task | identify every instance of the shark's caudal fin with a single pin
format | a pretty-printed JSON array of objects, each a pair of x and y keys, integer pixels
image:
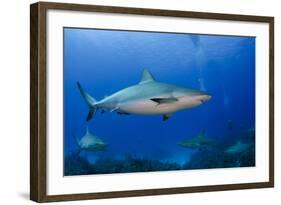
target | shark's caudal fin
[
  {"x": 146, "y": 77},
  {"x": 89, "y": 100}
]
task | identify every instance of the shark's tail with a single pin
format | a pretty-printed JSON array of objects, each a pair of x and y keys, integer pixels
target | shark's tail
[{"x": 90, "y": 102}]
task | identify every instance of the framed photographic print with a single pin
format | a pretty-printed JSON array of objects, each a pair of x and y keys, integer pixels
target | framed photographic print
[{"x": 134, "y": 102}]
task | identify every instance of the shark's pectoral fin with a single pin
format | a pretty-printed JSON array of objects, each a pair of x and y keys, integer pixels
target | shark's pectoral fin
[
  {"x": 166, "y": 116},
  {"x": 164, "y": 100}
]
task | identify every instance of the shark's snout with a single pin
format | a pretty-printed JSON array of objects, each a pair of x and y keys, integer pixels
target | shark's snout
[
  {"x": 203, "y": 96},
  {"x": 206, "y": 97}
]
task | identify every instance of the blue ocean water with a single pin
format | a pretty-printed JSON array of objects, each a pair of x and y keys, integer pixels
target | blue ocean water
[{"x": 106, "y": 61}]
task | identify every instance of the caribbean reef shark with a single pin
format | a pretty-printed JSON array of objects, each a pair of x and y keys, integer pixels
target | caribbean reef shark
[
  {"x": 198, "y": 142},
  {"x": 90, "y": 142},
  {"x": 148, "y": 97}
]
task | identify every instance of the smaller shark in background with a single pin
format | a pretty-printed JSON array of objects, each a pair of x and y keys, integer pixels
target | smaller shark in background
[
  {"x": 199, "y": 142},
  {"x": 238, "y": 147},
  {"x": 90, "y": 142}
]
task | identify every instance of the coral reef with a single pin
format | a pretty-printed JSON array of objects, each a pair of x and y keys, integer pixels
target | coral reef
[
  {"x": 77, "y": 165},
  {"x": 217, "y": 159}
]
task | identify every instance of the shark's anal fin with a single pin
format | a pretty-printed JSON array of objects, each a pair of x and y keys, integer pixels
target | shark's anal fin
[
  {"x": 164, "y": 100},
  {"x": 166, "y": 116}
]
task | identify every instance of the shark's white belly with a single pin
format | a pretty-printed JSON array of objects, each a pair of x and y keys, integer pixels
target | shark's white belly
[{"x": 148, "y": 107}]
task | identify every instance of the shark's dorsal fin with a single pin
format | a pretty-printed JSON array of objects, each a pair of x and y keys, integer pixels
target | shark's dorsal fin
[
  {"x": 146, "y": 77},
  {"x": 202, "y": 134}
]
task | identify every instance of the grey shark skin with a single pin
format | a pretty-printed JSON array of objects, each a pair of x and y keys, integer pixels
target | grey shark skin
[
  {"x": 91, "y": 143},
  {"x": 148, "y": 97},
  {"x": 198, "y": 142}
]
